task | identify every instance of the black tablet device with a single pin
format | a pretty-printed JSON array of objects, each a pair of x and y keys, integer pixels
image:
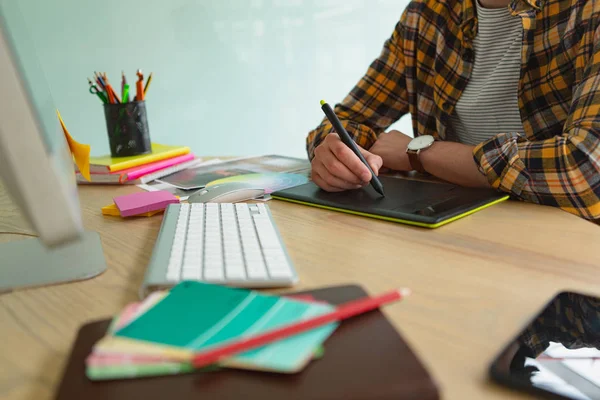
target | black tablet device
[
  {"x": 413, "y": 202},
  {"x": 557, "y": 354}
]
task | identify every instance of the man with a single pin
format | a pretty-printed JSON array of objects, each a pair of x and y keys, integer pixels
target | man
[{"x": 509, "y": 90}]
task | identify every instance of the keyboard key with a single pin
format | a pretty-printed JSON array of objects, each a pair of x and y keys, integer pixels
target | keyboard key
[
  {"x": 173, "y": 274},
  {"x": 213, "y": 264},
  {"x": 257, "y": 273},
  {"x": 235, "y": 273},
  {"x": 191, "y": 274},
  {"x": 253, "y": 256},
  {"x": 281, "y": 273},
  {"x": 213, "y": 275}
]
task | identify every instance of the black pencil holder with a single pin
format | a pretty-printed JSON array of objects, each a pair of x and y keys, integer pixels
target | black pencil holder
[{"x": 127, "y": 126}]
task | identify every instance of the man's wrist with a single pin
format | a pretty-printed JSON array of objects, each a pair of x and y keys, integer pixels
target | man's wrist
[{"x": 416, "y": 148}]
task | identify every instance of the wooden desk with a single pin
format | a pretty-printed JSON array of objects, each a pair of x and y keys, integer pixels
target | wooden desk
[{"x": 475, "y": 283}]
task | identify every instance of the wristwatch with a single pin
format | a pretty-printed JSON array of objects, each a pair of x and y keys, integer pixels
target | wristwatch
[{"x": 415, "y": 147}]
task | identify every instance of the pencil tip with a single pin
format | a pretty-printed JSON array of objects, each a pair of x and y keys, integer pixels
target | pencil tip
[{"x": 404, "y": 292}]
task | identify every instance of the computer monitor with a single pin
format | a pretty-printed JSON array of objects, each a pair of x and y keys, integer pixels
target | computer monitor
[{"x": 36, "y": 168}]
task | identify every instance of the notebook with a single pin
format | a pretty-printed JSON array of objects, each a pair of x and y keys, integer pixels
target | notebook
[
  {"x": 105, "y": 164},
  {"x": 413, "y": 202},
  {"x": 143, "y": 173},
  {"x": 355, "y": 366},
  {"x": 181, "y": 324}
]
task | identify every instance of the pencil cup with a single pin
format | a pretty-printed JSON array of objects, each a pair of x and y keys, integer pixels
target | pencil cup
[{"x": 127, "y": 126}]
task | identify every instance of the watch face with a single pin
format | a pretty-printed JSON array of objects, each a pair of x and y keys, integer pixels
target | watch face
[{"x": 420, "y": 142}]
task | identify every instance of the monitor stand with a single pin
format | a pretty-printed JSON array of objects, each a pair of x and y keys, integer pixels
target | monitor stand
[{"x": 28, "y": 263}]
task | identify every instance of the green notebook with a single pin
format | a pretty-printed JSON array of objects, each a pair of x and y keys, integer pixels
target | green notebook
[
  {"x": 196, "y": 316},
  {"x": 413, "y": 202}
]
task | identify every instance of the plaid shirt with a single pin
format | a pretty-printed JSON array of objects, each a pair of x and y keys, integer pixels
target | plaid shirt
[{"x": 426, "y": 64}]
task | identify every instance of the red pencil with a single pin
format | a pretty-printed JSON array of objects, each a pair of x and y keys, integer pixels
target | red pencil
[{"x": 344, "y": 311}]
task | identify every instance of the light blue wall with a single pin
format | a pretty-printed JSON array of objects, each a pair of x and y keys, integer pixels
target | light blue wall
[{"x": 231, "y": 77}]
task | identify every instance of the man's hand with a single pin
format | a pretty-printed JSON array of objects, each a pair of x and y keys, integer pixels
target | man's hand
[
  {"x": 391, "y": 147},
  {"x": 335, "y": 167}
]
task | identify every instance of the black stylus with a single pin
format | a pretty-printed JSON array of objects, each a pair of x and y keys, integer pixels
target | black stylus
[{"x": 347, "y": 140}]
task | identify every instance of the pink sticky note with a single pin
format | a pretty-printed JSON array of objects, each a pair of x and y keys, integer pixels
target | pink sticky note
[{"x": 143, "y": 202}]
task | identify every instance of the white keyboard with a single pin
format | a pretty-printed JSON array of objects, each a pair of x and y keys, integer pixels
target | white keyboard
[{"x": 235, "y": 244}]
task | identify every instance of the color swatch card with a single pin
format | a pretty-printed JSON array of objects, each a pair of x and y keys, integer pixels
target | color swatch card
[
  {"x": 108, "y": 366},
  {"x": 102, "y": 366},
  {"x": 160, "y": 335}
]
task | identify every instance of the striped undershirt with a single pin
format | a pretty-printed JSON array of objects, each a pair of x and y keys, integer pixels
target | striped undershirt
[{"x": 489, "y": 106}]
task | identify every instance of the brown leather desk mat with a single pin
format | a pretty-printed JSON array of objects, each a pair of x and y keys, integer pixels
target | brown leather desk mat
[{"x": 365, "y": 358}]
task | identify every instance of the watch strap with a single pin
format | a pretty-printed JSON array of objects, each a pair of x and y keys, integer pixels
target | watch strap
[{"x": 415, "y": 161}]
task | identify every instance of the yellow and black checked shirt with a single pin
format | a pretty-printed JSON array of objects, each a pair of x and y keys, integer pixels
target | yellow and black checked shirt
[{"x": 426, "y": 64}]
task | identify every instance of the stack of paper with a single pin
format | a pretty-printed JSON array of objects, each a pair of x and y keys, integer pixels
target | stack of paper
[
  {"x": 160, "y": 335},
  {"x": 164, "y": 160}
]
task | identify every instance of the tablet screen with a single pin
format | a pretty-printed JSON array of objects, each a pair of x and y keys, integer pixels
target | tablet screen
[{"x": 557, "y": 354}]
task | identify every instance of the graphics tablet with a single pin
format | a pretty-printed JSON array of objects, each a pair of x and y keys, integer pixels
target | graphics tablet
[{"x": 420, "y": 203}]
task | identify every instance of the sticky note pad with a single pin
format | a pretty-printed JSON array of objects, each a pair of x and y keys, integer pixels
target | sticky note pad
[
  {"x": 195, "y": 316},
  {"x": 112, "y": 210},
  {"x": 143, "y": 202}
]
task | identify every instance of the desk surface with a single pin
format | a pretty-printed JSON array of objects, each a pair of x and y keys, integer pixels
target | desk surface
[{"x": 475, "y": 282}]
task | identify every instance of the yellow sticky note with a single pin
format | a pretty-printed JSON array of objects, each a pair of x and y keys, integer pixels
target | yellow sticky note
[
  {"x": 81, "y": 152},
  {"x": 111, "y": 210}
]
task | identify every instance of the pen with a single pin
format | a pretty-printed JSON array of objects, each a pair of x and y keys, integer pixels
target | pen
[
  {"x": 139, "y": 86},
  {"x": 147, "y": 84},
  {"x": 347, "y": 140},
  {"x": 344, "y": 311}
]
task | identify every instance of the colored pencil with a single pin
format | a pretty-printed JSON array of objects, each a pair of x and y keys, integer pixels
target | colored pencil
[
  {"x": 100, "y": 81},
  {"x": 344, "y": 311},
  {"x": 123, "y": 83},
  {"x": 139, "y": 86},
  {"x": 110, "y": 93},
  {"x": 147, "y": 84},
  {"x": 109, "y": 90}
]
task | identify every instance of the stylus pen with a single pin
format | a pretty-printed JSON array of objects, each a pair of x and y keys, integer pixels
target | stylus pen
[
  {"x": 347, "y": 140},
  {"x": 341, "y": 312}
]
